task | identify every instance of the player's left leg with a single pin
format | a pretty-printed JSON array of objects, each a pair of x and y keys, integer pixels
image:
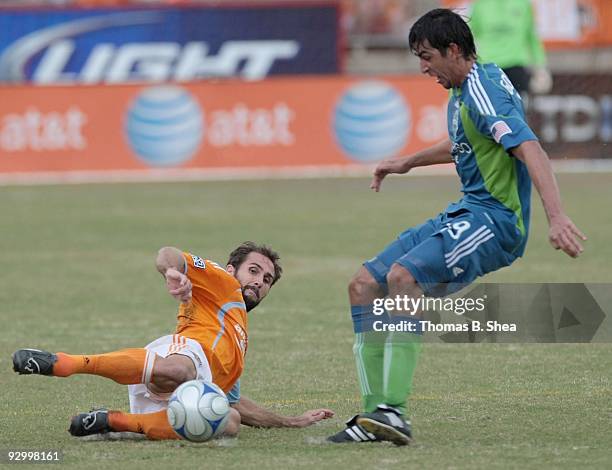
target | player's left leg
[
  {"x": 402, "y": 350},
  {"x": 178, "y": 359},
  {"x": 154, "y": 425},
  {"x": 149, "y": 398},
  {"x": 233, "y": 425},
  {"x": 467, "y": 245},
  {"x": 366, "y": 290}
]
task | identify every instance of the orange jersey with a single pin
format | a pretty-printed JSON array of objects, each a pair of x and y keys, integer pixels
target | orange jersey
[{"x": 216, "y": 318}]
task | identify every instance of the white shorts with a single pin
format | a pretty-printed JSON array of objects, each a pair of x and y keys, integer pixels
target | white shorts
[{"x": 143, "y": 400}]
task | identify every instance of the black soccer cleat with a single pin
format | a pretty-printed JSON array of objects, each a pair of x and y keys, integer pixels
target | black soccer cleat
[
  {"x": 352, "y": 433},
  {"x": 33, "y": 361},
  {"x": 86, "y": 424},
  {"x": 388, "y": 424}
]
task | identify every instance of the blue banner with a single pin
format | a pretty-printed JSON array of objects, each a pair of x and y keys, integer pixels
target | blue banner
[{"x": 121, "y": 45}]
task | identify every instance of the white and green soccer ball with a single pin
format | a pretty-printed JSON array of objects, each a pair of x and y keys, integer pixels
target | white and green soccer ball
[{"x": 198, "y": 410}]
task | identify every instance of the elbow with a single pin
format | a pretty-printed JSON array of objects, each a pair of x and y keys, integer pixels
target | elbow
[
  {"x": 164, "y": 251},
  {"x": 160, "y": 260},
  {"x": 169, "y": 257}
]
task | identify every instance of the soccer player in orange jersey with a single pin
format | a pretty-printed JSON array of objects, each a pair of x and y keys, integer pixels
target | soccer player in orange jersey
[{"x": 209, "y": 343}]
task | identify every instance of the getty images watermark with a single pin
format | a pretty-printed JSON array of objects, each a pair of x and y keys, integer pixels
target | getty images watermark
[
  {"x": 401, "y": 306},
  {"x": 512, "y": 313},
  {"x": 405, "y": 305}
]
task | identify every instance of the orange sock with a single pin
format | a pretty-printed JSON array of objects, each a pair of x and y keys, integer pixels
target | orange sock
[
  {"x": 154, "y": 425},
  {"x": 128, "y": 366}
]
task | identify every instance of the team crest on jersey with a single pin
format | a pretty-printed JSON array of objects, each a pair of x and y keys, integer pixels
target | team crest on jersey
[{"x": 198, "y": 262}]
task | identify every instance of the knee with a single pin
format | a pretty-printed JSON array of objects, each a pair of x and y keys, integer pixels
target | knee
[
  {"x": 172, "y": 371},
  {"x": 400, "y": 278},
  {"x": 182, "y": 373},
  {"x": 363, "y": 285},
  {"x": 233, "y": 424}
]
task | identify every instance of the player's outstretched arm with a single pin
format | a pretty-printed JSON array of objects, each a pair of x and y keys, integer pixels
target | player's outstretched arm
[
  {"x": 439, "y": 153},
  {"x": 254, "y": 415},
  {"x": 171, "y": 264},
  {"x": 562, "y": 234}
]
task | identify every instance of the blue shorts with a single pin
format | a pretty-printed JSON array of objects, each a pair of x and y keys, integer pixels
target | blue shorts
[{"x": 448, "y": 252}]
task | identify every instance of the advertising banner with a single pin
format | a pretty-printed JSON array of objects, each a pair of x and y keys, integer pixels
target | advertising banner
[
  {"x": 575, "y": 119},
  {"x": 270, "y": 124},
  {"x": 172, "y": 43}
]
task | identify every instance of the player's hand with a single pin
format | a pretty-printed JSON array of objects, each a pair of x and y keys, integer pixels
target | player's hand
[
  {"x": 179, "y": 286},
  {"x": 564, "y": 235},
  {"x": 310, "y": 417},
  {"x": 384, "y": 168},
  {"x": 541, "y": 81}
]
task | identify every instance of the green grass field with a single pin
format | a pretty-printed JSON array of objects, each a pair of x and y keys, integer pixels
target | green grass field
[{"x": 78, "y": 275}]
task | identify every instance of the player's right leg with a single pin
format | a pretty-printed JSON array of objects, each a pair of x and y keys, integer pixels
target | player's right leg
[
  {"x": 33, "y": 361},
  {"x": 363, "y": 290},
  {"x": 125, "y": 366},
  {"x": 368, "y": 347},
  {"x": 467, "y": 244},
  {"x": 162, "y": 371},
  {"x": 366, "y": 290}
]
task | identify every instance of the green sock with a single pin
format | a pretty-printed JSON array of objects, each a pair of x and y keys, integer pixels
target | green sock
[
  {"x": 401, "y": 353},
  {"x": 369, "y": 351}
]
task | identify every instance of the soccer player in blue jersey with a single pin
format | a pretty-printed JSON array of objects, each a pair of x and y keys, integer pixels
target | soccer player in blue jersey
[{"x": 497, "y": 156}]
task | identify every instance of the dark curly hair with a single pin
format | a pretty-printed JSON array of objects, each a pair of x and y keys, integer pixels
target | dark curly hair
[
  {"x": 442, "y": 27},
  {"x": 237, "y": 257}
]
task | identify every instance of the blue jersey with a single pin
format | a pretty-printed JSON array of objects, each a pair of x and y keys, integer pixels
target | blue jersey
[{"x": 486, "y": 120}]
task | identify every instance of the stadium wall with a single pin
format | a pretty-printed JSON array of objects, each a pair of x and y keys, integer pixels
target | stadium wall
[
  {"x": 280, "y": 123},
  {"x": 565, "y": 24},
  {"x": 56, "y": 127}
]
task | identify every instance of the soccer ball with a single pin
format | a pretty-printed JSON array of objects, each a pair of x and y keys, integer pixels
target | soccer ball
[{"x": 198, "y": 410}]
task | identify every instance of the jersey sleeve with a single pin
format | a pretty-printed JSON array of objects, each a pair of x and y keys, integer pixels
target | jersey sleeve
[
  {"x": 233, "y": 396},
  {"x": 208, "y": 278},
  {"x": 496, "y": 111}
]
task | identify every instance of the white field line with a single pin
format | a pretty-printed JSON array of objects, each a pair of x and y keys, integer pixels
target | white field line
[{"x": 255, "y": 173}]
